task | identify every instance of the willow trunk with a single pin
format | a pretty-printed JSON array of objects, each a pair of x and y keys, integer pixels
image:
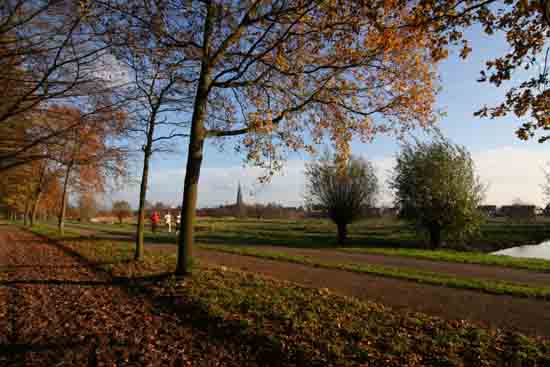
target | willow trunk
[{"x": 342, "y": 233}]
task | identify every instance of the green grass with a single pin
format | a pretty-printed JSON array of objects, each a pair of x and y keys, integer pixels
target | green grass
[
  {"x": 487, "y": 286},
  {"x": 315, "y": 233},
  {"x": 52, "y": 232},
  {"x": 308, "y": 327},
  {"x": 371, "y": 236},
  {"x": 460, "y": 257}
]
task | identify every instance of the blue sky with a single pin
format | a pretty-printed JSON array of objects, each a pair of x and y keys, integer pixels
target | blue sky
[{"x": 511, "y": 168}]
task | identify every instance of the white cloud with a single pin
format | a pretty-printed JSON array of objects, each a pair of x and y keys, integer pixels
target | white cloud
[{"x": 510, "y": 172}]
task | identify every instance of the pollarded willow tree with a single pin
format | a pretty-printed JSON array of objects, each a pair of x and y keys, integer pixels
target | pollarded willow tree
[
  {"x": 284, "y": 75},
  {"x": 437, "y": 188},
  {"x": 342, "y": 190}
]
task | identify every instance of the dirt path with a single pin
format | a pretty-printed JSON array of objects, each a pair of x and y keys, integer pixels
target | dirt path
[
  {"x": 526, "y": 315},
  {"x": 443, "y": 267},
  {"x": 55, "y": 310}
]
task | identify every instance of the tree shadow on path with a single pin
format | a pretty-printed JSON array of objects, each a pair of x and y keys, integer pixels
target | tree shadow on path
[{"x": 252, "y": 348}]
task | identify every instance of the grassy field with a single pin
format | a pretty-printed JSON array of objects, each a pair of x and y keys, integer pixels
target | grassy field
[
  {"x": 315, "y": 233},
  {"x": 308, "y": 327},
  {"x": 370, "y": 236},
  {"x": 217, "y": 229}
]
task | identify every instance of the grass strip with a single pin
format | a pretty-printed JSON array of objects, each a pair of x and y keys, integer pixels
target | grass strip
[
  {"x": 220, "y": 231},
  {"x": 464, "y": 257},
  {"x": 229, "y": 232},
  {"x": 487, "y": 286}
]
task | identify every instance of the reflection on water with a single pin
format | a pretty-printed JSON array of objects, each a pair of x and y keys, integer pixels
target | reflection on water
[{"x": 540, "y": 251}]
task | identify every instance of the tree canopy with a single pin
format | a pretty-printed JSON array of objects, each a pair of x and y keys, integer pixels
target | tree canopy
[
  {"x": 342, "y": 191},
  {"x": 437, "y": 188}
]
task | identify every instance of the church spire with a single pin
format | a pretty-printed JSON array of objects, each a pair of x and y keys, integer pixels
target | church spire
[{"x": 240, "y": 202}]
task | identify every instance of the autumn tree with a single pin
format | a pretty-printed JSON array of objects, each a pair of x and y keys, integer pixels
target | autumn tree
[
  {"x": 155, "y": 96},
  {"x": 50, "y": 199},
  {"x": 88, "y": 154},
  {"x": 524, "y": 67},
  {"x": 270, "y": 73},
  {"x": 437, "y": 188},
  {"x": 44, "y": 176},
  {"x": 122, "y": 209},
  {"x": 87, "y": 206},
  {"x": 16, "y": 187},
  {"x": 341, "y": 190},
  {"x": 49, "y": 54}
]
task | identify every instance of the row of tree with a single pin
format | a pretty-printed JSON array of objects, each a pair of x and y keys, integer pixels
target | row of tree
[
  {"x": 276, "y": 75},
  {"x": 435, "y": 185}
]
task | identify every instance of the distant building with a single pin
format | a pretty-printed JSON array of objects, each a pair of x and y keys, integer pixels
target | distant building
[
  {"x": 371, "y": 212},
  {"x": 389, "y": 211},
  {"x": 518, "y": 211},
  {"x": 488, "y": 210}
]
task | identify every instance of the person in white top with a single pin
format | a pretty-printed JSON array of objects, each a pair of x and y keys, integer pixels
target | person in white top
[{"x": 168, "y": 221}]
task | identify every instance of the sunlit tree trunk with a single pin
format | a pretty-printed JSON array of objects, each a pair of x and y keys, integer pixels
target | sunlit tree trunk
[
  {"x": 35, "y": 204},
  {"x": 194, "y": 155},
  {"x": 37, "y": 195},
  {"x": 27, "y": 211},
  {"x": 63, "y": 209},
  {"x": 141, "y": 211},
  {"x": 190, "y": 193},
  {"x": 147, "y": 151}
]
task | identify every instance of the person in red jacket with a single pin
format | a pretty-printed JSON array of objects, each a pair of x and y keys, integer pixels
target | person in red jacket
[{"x": 155, "y": 219}]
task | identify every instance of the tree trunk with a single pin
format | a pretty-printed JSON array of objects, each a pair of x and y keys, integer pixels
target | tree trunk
[
  {"x": 435, "y": 237},
  {"x": 26, "y": 214},
  {"x": 38, "y": 194},
  {"x": 194, "y": 156},
  {"x": 190, "y": 191},
  {"x": 141, "y": 211},
  {"x": 34, "y": 212},
  {"x": 342, "y": 233},
  {"x": 63, "y": 210}
]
